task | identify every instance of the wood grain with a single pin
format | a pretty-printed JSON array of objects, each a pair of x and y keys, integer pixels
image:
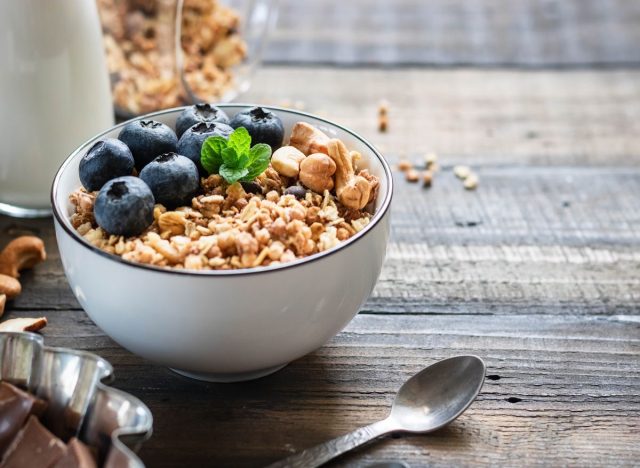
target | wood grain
[
  {"x": 536, "y": 240},
  {"x": 524, "y": 33},
  {"x": 474, "y": 116},
  {"x": 537, "y": 272},
  {"x": 559, "y": 388}
]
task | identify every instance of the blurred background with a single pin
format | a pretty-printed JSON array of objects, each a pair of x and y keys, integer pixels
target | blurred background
[
  {"x": 491, "y": 81},
  {"x": 500, "y": 78},
  {"x": 524, "y": 33}
]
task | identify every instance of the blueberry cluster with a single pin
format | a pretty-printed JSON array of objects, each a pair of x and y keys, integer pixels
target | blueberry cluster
[{"x": 168, "y": 164}]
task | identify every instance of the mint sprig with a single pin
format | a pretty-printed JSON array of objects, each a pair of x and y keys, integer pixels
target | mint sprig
[{"x": 234, "y": 158}]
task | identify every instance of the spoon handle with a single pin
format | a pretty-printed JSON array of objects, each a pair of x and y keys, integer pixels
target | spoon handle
[{"x": 322, "y": 453}]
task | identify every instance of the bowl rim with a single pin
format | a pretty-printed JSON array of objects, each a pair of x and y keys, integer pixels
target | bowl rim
[{"x": 375, "y": 219}]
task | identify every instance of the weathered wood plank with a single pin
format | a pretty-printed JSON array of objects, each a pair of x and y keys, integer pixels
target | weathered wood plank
[
  {"x": 479, "y": 117},
  {"x": 560, "y": 388},
  {"x": 537, "y": 272},
  {"x": 453, "y": 32},
  {"x": 529, "y": 240}
]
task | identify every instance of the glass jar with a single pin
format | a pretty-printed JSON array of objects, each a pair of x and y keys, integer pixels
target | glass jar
[
  {"x": 54, "y": 91},
  {"x": 167, "y": 53}
]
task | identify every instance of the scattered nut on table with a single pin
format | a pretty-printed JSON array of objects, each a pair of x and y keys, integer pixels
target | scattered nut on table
[
  {"x": 383, "y": 116},
  {"x": 412, "y": 175},
  {"x": 462, "y": 172},
  {"x": 23, "y": 324},
  {"x": 383, "y": 123},
  {"x": 9, "y": 286},
  {"x": 468, "y": 177},
  {"x": 20, "y": 254},
  {"x": 427, "y": 178},
  {"x": 404, "y": 165},
  {"x": 471, "y": 182},
  {"x": 431, "y": 162}
]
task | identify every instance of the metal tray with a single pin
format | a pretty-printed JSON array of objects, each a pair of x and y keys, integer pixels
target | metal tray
[{"x": 80, "y": 403}]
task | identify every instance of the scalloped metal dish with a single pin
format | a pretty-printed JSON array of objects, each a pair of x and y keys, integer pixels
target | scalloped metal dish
[{"x": 80, "y": 404}]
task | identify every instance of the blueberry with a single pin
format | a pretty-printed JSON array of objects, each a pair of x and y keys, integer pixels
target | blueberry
[
  {"x": 105, "y": 160},
  {"x": 296, "y": 191},
  {"x": 172, "y": 178},
  {"x": 190, "y": 143},
  {"x": 251, "y": 187},
  {"x": 148, "y": 139},
  {"x": 124, "y": 206},
  {"x": 199, "y": 113},
  {"x": 263, "y": 125}
]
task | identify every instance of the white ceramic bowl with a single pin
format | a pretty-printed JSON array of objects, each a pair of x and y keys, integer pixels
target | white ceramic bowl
[{"x": 225, "y": 325}]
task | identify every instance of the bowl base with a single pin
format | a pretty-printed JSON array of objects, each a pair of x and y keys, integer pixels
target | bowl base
[{"x": 229, "y": 378}]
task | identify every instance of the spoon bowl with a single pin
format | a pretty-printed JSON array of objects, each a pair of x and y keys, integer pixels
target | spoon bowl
[
  {"x": 438, "y": 394},
  {"x": 429, "y": 400}
]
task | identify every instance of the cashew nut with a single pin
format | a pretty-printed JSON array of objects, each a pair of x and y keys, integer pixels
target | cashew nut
[
  {"x": 9, "y": 286},
  {"x": 286, "y": 161},
  {"x": 374, "y": 182},
  {"x": 352, "y": 190},
  {"x": 316, "y": 172},
  {"x": 20, "y": 254},
  {"x": 308, "y": 139},
  {"x": 3, "y": 301},
  {"x": 23, "y": 324}
]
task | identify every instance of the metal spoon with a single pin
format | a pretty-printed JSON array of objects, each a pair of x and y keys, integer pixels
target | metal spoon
[{"x": 429, "y": 400}]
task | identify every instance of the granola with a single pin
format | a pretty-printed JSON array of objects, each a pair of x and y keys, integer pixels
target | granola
[
  {"x": 228, "y": 228},
  {"x": 278, "y": 217}
]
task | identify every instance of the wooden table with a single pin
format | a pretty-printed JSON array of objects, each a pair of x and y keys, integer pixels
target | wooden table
[{"x": 537, "y": 272}]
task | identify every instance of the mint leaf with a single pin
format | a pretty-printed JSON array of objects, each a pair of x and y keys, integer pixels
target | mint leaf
[
  {"x": 230, "y": 157},
  {"x": 243, "y": 160},
  {"x": 260, "y": 151},
  {"x": 240, "y": 140},
  {"x": 259, "y": 156},
  {"x": 211, "y": 153},
  {"x": 232, "y": 174},
  {"x": 234, "y": 158},
  {"x": 218, "y": 143}
]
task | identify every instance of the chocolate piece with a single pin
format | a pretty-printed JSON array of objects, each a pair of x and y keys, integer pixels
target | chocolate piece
[
  {"x": 15, "y": 407},
  {"x": 78, "y": 455},
  {"x": 33, "y": 446}
]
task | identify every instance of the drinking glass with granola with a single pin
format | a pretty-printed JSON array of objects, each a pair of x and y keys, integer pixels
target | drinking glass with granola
[{"x": 166, "y": 53}]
